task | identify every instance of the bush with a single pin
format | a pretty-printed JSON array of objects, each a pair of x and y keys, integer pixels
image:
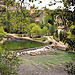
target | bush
[
  {"x": 56, "y": 39},
  {"x": 8, "y": 61},
  {"x": 70, "y": 68},
  {"x": 36, "y": 31},
  {"x": 49, "y": 42}
]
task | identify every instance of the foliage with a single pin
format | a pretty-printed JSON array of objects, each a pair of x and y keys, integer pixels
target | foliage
[
  {"x": 7, "y": 62},
  {"x": 71, "y": 32},
  {"x": 62, "y": 36},
  {"x": 49, "y": 19},
  {"x": 44, "y": 30},
  {"x": 70, "y": 68},
  {"x": 56, "y": 33},
  {"x": 36, "y": 31},
  {"x": 56, "y": 38},
  {"x": 8, "y": 2},
  {"x": 15, "y": 23},
  {"x": 71, "y": 38},
  {"x": 35, "y": 14},
  {"x": 52, "y": 30},
  {"x": 2, "y": 33},
  {"x": 69, "y": 19},
  {"x": 32, "y": 25}
]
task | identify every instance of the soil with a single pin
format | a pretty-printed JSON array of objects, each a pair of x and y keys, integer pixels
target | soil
[{"x": 41, "y": 70}]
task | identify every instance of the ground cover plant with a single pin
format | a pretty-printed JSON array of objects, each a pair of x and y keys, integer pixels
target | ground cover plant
[{"x": 20, "y": 44}]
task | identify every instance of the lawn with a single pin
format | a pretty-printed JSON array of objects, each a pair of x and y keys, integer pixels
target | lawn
[
  {"x": 49, "y": 59},
  {"x": 41, "y": 39},
  {"x": 20, "y": 44}
]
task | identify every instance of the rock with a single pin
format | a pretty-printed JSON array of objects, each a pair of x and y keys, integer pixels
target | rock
[
  {"x": 38, "y": 52},
  {"x": 33, "y": 53},
  {"x": 47, "y": 47},
  {"x": 23, "y": 53},
  {"x": 19, "y": 53}
]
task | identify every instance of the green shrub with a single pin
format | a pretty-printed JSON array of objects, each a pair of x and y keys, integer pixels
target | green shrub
[
  {"x": 70, "y": 68},
  {"x": 49, "y": 42},
  {"x": 56, "y": 39}
]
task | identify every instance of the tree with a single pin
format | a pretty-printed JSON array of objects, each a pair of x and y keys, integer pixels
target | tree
[
  {"x": 32, "y": 25},
  {"x": 2, "y": 33},
  {"x": 52, "y": 30},
  {"x": 44, "y": 30},
  {"x": 8, "y": 3},
  {"x": 49, "y": 19},
  {"x": 69, "y": 24},
  {"x": 36, "y": 31},
  {"x": 8, "y": 62},
  {"x": 71, "y": 38}
]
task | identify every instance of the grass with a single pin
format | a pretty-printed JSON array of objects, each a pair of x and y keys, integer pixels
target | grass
[
  {"x": 20, "y": 44},
  {"x": 41, "y": 39},
  {"x": 49, "y": 59}
]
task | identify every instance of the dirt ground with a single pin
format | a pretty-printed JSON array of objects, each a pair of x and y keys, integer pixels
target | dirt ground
[{"x": 41, "y": 70}]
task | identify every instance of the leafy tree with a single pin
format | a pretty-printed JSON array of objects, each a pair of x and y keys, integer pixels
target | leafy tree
[
  {"x": 44, "y": 30},
  {"x": 71, "y": 38},
  {"x": 69, "y": 24},
  {"x": 8, "y": 3},
  {"x": 49, "y": 19},
  {"x": 52, "y": 30},
  {"x": 32, "y": 25},
  {"x": 2, "y": 32},
  {"x": 8, "y": 62},
  {"x": 36, "y": 31}
]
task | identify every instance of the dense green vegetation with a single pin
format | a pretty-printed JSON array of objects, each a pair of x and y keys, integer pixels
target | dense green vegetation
[
  {"x": 7, "y": 62},
  {"x": 20, "y": 44},
  {"x": 2, "y": 33},
  {"x": 21, "y": 21}
]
